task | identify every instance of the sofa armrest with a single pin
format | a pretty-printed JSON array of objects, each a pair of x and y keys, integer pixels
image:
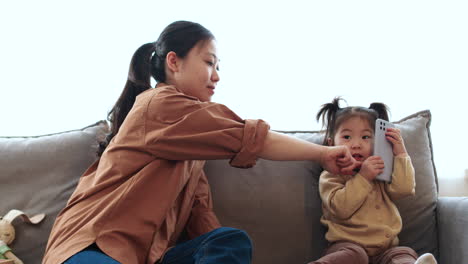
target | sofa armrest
[{"x": 452, "y": 213}]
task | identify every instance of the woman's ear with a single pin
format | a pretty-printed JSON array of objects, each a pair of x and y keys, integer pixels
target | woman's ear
[{"x": 172, "y": 61}]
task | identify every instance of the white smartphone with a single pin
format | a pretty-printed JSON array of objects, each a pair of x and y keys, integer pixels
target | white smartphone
[{"x": 383, "y": 148}]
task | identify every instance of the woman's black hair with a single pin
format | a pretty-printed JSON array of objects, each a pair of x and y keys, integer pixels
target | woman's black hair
[
  {"x": 149, "y": 61},
  {"x": 333, "y": 116}
]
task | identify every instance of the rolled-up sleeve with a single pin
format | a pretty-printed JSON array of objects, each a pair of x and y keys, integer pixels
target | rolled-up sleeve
[
  {"x": 193, "y": 130},
  {"x": 255, "y": 132}
]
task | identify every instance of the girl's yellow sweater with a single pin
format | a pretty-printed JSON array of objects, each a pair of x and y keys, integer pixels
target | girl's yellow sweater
[{"x": 363, "y": 212}]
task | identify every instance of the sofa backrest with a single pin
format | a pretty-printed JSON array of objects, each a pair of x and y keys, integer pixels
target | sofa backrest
[
  {"x": 278, "y": 204},
  {"x": 37, "y": 175}
]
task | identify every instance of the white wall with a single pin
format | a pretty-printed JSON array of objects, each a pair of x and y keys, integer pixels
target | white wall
[
  {"x": 454, "y": 186},
  {"x": 63, "y": 63}
]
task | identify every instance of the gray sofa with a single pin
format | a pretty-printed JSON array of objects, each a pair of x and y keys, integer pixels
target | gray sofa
[{"x": 277, "y": 203}]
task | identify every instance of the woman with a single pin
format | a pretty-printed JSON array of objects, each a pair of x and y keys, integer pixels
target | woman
[{"x": 148, "y": 187}]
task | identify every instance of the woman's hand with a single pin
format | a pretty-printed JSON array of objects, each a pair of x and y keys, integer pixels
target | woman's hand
[
  {"x": 338, "y": 160},
  {"x": 394, "y": 136},
  {"x": 371, "y": 167}
]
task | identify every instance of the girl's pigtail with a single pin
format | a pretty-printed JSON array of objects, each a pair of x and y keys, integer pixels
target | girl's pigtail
[
  {"x": 138, "y": 81},
  {"x": 328, "y": 113},
  {"x": 381, "y": 109}
]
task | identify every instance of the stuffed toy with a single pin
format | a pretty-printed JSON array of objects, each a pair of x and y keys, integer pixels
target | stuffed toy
[{"x": 7, "y": 233}]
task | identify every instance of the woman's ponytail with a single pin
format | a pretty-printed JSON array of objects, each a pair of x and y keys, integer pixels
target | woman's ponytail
[
  {"x": 381, "y": 109},
  {"x": 138, "y": 81}
]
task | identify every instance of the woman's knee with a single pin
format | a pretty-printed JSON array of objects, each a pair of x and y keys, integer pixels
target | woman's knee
[
  {"x": 226, "y": 245},
  {"x": 232, "y": 237},
  {"x": 233, "y": 234}
]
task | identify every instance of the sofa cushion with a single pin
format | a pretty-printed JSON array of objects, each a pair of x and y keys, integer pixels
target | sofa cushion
[
  {"x": 419, "y": 212},
  {"x": 38, "y": 175},
  {"x": 278, "y": 204}
]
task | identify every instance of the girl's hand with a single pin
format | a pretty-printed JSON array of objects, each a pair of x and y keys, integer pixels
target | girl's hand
[
  {"x": 394, "y": 136},
  {"x": 338, "y": 160},
  {"x": 371, "y": 167}
]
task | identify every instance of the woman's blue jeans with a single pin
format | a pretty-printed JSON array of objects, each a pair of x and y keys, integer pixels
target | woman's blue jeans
[{"x": 223, "y": 245}]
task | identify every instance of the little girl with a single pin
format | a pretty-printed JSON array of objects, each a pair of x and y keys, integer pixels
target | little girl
[{"x": 362, "y": 220}]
